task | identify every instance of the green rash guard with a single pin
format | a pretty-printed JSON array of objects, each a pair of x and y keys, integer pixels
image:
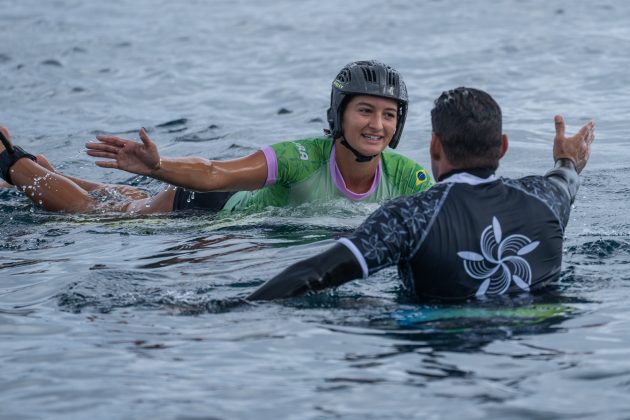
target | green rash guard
[{"x": 305, "y": 171}]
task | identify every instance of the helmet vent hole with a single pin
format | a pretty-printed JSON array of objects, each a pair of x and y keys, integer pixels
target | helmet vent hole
[
  {"x": 392, "y": 79},
  {"x": 345, "y": 76},
  {"x": 369, "y": 74}
]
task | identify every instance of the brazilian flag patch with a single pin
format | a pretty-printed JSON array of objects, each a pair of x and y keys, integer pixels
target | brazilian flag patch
[{"x": 421, "y": 176}]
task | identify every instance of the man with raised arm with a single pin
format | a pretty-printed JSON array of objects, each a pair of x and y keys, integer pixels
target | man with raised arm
[{"x": 473, "y": 234}]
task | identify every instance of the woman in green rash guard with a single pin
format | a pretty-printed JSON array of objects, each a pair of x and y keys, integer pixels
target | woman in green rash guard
[{"x": 367, "y": 113}]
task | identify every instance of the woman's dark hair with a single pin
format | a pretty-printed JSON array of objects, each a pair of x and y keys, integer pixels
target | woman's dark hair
[{"x": 469, "y": 124}]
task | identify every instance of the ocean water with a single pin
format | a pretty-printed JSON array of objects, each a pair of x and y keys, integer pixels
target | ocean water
[{"x": 103, "y": 316}]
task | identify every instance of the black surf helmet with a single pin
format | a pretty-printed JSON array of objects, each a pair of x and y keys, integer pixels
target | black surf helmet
[{"x": 371, "y": 78}]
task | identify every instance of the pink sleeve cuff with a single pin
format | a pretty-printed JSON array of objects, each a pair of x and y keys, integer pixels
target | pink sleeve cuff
[{"x": 272, "y": 165}]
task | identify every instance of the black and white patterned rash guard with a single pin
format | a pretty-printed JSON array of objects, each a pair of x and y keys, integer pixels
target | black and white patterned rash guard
[{"x": 467, "y": 236}]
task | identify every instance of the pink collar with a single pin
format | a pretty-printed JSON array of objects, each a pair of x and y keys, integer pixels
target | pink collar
[{"x": 341, "y": 184}]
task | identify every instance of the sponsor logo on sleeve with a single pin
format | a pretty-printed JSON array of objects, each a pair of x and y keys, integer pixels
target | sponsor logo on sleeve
[{"x": 302, "y": 151}]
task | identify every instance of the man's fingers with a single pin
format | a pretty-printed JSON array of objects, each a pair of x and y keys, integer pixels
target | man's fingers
[
  {"x": 559, "y": 121},
  {"x": 586, "y": 133},
  {"x": 591, "y": 132}
]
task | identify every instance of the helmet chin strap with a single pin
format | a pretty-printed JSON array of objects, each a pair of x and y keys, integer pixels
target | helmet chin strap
[{"x": 360, "y": 157}]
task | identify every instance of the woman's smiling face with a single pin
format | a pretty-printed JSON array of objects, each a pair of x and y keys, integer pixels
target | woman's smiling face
[{"x": 369, "y": 123}]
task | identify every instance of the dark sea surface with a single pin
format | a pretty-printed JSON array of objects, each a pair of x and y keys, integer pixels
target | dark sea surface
[{"x": 103, "y": 316}]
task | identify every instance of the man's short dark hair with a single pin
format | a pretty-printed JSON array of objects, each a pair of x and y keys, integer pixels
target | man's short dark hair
[{"x": 469, "y": 124}]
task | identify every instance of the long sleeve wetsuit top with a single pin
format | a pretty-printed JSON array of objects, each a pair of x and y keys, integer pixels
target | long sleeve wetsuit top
[{"x": 472, "y": 234}]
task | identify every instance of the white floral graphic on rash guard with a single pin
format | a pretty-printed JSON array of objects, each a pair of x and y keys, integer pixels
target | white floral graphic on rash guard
[{"x": 500, "y": 261}]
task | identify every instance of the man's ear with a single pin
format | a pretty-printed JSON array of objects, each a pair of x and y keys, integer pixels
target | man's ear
[
  {"x": 435, "y": 149},
  {"x": 504, "y": 145}
]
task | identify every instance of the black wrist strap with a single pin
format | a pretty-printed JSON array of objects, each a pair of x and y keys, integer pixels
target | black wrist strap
[{"x": 9, "y": 156}]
